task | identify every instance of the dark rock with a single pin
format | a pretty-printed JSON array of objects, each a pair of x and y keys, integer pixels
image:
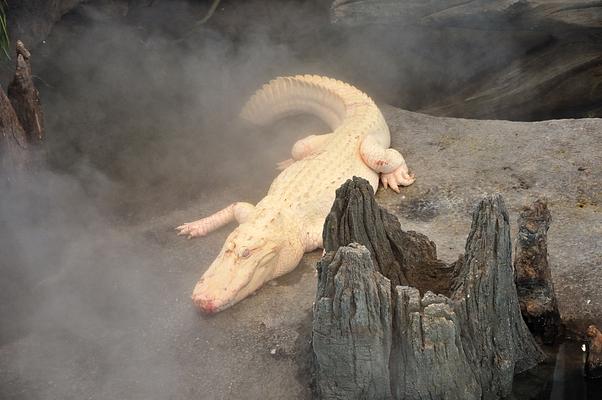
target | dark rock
[
  {"x": 533, "y": 277},
  {"x": 562, "y": 75},
  {"x": 32, "y": 20},
  {"x": 545, "y": 64},
  {"x": 481, "y": 14}
]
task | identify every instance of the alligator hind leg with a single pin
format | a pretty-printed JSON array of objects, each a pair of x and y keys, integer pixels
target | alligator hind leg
[
  {"x": 238, "y": 211},
  {"x": 388, "y": 162},
  {"x": 305, "y": 147}
]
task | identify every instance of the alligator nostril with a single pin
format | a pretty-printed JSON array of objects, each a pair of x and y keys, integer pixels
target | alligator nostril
[
  {"x": 246, "y": 253},
  {"x": 207, "y": 306}
]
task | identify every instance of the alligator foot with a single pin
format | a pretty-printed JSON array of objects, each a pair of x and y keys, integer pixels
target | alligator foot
[
  {"x": 195, "y": 229},
  {"x": 401, "y": 176}
]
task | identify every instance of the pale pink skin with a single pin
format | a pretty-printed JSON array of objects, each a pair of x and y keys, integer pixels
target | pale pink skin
[{"x": 274, "y": 234}]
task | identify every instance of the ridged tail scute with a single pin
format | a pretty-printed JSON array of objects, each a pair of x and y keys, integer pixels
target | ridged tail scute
[{"x": 332, "y": 101}]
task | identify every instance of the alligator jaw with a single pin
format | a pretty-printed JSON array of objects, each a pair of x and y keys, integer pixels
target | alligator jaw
[{"x": 220, "y": 288}]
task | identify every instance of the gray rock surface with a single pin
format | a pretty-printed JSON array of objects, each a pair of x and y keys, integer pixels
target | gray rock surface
[
  {"x": 230, "y": 355},
  {"x": 457, "y": 161}
]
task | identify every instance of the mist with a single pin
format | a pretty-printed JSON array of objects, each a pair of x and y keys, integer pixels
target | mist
[{"x": 143, "y": 135}]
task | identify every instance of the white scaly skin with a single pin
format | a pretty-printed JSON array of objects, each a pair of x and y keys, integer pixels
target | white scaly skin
[{"x": 273, "y": 236}]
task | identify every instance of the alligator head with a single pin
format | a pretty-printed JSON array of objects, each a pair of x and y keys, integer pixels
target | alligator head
[{"x": 255, "y": 253}]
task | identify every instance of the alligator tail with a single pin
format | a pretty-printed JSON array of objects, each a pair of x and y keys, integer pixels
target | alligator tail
[{"x": 332, "y": 101}]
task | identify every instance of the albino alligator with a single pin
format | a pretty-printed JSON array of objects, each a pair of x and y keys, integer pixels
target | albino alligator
[{"x": 273, "y": 235}]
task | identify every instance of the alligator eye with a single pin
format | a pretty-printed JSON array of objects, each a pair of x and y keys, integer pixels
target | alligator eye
[{"x": 246, "y": 253}]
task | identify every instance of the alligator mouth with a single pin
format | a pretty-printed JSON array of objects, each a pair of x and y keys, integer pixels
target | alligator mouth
[{"x": 208, "y": 305}]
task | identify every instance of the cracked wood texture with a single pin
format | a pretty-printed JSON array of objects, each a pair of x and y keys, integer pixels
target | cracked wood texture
[
  {"x": 351, "y": 334},
  {"x": 13, "y": 144},
  {"x": 21, "y": 118},
  {"x": 376, "y": 338},
  {"x": 25, "y": 98},
  {"x": 533, "y": 276}
]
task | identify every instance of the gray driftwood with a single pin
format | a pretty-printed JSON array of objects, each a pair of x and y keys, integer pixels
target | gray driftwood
[
  {"x": 533, "y": 277},
  {"x": 404, "y": 341}
]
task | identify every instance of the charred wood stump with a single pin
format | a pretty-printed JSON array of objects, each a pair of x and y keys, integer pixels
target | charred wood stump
[
  {"x": 447, "y": 331},
  {"x": 533, "y": 276},
  {"x": 593, "y": 360},
  {"x": 401, "y": 256},
  {"x": 25, "y": 98},
  {"x": 14, "y": 153},
  {"x": 21, "y": 118},
  {"x": 352, "y": 327},
  {"x": 428, "y": 359}
]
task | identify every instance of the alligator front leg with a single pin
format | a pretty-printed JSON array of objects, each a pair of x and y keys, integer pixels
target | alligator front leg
[
  {"x": 239, "y": 211},
  {"x": 305, "y": 147},
  {"x": 388, "y": 162}
]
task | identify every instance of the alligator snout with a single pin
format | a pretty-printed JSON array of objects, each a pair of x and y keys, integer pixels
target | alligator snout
[{"x": 207, "y": 306}]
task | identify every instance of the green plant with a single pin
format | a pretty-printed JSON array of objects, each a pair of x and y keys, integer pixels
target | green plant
[{"x": 4, "y": 39}]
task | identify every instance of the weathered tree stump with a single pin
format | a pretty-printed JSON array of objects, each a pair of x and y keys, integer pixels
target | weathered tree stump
[
  {"x": 352, "y": 327},
  {"x": 14, "y": 153},
  {"x": 466, "y": 342},
  {"x": 533, "y": 276},
  {"x": 593, "y": 360},
  {"x": 428, "y": 358},
  {"x": 25, "y": 98},
  {"x": 401, "y": 256},
  {"x": 21, "y": 118}
]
